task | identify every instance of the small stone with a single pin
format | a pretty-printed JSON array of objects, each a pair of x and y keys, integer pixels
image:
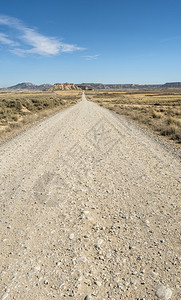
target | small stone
[
  {"x": 61, "y": 283},
  {"x": 164, "y": 292},
  {"x": 147, "y": 222},
  {"x": 126, "y": 283},
  {"x": 4, "y": 296},
  {"x": 71, "y": 236},
  {"x": 154, "y": 274},
  {"x": 37, "y": 268},
  {"x": 101, "y": 257},
  {"x": 88, "y": 297},
  {"x": 100, "y": 241},
  {"x": 134, "y": 273},
  {"x": 81, "y": 259},
  {"x": 79, "y": 277},
  {"x": 98, "y": 283},
  {"x": 133, "y": 281},
  {"x": 120, "y": 286}
]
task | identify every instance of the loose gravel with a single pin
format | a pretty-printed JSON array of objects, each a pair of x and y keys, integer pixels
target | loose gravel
[{"x": 89, "y": 210}]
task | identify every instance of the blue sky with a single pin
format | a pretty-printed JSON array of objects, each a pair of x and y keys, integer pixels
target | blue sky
[{"x": 90, "y": 41}]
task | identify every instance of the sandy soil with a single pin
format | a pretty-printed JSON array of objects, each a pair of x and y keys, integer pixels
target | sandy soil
[{"x": 89, "y": 210}]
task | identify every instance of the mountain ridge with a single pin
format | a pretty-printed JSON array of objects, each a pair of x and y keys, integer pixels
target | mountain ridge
[
  {"x": 129, "y": 86},
  {"x": 91, "y": 86},
  {"x": 28, "y": 86}
]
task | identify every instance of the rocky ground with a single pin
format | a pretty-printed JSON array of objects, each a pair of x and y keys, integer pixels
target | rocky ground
[{"x": 89, "y": 210}]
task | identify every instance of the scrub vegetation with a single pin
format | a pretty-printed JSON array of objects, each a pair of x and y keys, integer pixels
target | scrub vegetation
[
  {"x": 21, "y": 109},
  {"x": 158, "y": 110}
]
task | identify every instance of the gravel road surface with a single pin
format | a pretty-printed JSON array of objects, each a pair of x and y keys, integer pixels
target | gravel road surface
[{"x": 89, "y": 210}]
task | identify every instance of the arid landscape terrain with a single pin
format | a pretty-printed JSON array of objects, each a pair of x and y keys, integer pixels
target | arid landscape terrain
[
  {"x": 158, "y": 110},
  {"x": 90, "y": 150},
  {"x": 89, "y": 199},
  {"x": 20, "y": 109}
]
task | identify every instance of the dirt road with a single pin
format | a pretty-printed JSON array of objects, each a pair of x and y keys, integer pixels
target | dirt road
[{"x": 89, "y": 210}]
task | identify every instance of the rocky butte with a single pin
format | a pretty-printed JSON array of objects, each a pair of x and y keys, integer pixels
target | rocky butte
[{"x": 64, "y": 87}]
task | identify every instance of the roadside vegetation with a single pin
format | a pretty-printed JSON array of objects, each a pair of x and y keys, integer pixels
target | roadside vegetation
[
  {"x": 21, "y": 109},
  {"x": 158, "y": 110}
]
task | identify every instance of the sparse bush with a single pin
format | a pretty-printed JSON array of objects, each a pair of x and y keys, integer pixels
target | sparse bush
[
  {"x": 173, "y": 120},
  {"x": 156, "y": 114},
  {"x": 18, "y": 105},
  {"x": 15, "y": 125},
  {"x": 169, "y": 130},
  {"x": 14, "y": 117}
]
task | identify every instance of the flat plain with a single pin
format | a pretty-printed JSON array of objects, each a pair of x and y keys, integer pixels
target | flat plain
[{"x": 158, "y": 110}]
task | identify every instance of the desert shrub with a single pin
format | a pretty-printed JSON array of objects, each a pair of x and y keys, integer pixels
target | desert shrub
[
  {"x": 14, "y": 118},
  {"x": 178, "y": 134},
  {"x": 11, "y": 103},
  {"x": 169, "y": 129},
  {"x": 172, "y": 120},
  {"x": 28, "y": 104},
  {"x": 156, "y": 114},
  {"x": 14, "y": 125},
  {"x": 18, "y": 105}
]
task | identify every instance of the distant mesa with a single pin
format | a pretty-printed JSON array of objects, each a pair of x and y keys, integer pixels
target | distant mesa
[
  {"x": 64, "y": 87},
  {"x": 172, "y": 85}
]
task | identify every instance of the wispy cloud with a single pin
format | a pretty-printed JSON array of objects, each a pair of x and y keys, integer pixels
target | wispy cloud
[
  {"x": 91, "y": 57},
  {"x": 6, "y": 41},
  {"x": 30, "y": 41}
]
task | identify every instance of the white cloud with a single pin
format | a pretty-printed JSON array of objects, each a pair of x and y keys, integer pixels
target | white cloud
[
  {"x": 91, "y": 57},
  {"x": 32, "y": 42},
  {"x": 5, "y": 40}
]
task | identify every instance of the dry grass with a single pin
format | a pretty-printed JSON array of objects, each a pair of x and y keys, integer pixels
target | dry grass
[
  {"x": 21, "y": 109},
  {"x": 158, "y": 110}
]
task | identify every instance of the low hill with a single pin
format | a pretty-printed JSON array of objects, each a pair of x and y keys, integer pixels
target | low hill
[{"x": 29, "y": 86}]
